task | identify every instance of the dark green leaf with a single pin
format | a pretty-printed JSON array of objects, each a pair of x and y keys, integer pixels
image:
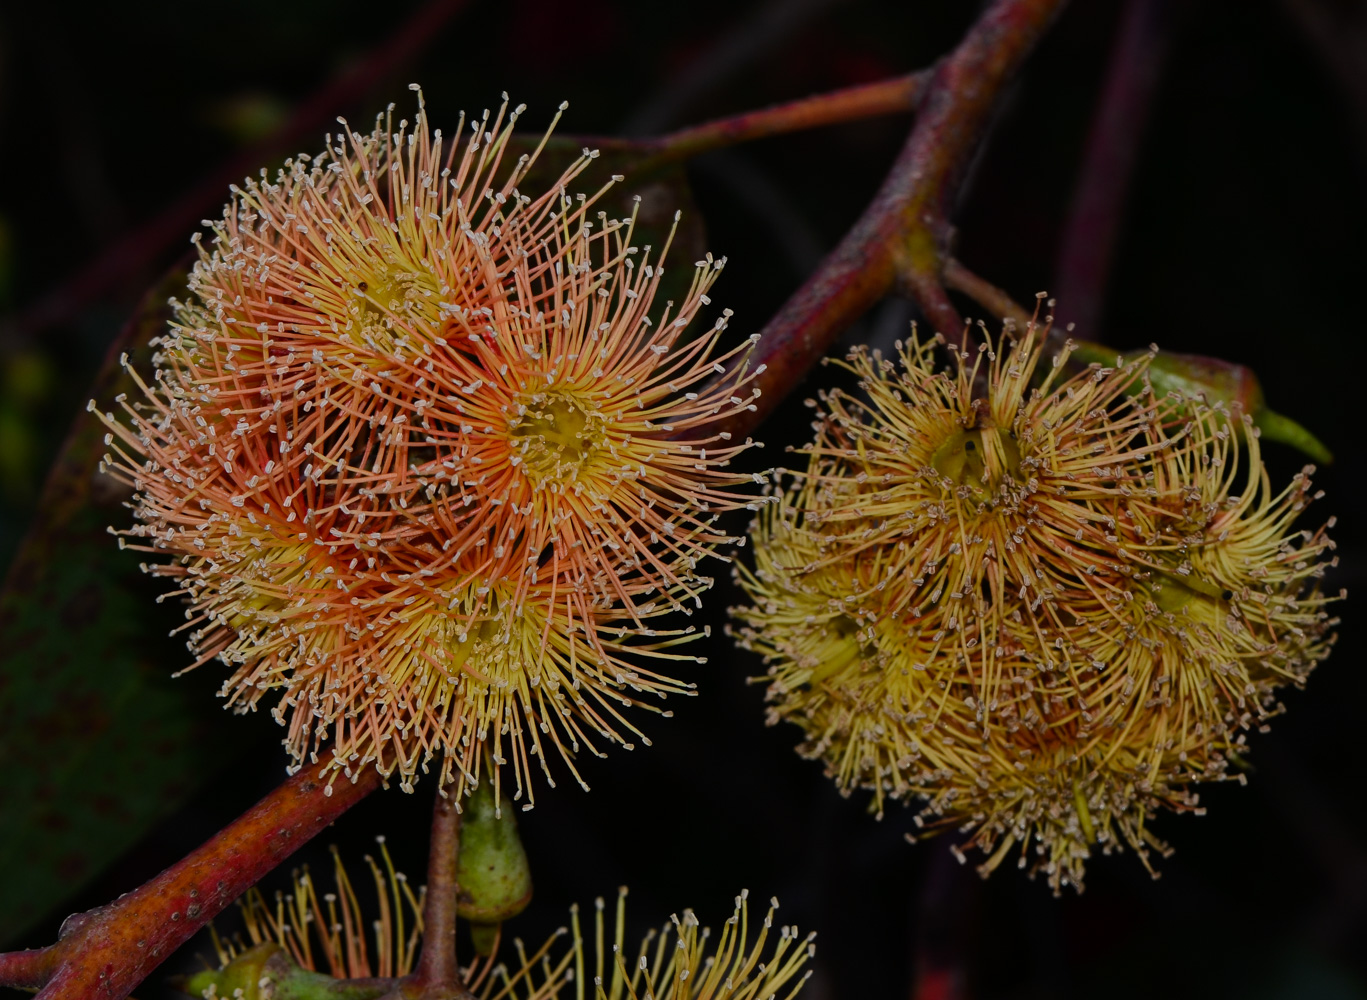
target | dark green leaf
[{"x": 98, "y": 742}]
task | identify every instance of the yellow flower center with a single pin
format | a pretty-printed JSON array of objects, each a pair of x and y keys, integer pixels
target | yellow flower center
[
  {"x": 395, "y": 290},
  {"x": 478, "y": 639},
  {"x": 837, "y": 648},
  {"x": 978, "y": 460},
  {"x": 1173, "y": 593},
  {"x": 557, "y": 437}
]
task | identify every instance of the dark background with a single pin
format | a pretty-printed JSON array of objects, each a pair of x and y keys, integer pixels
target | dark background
[{"x": 1243, "y": 238}]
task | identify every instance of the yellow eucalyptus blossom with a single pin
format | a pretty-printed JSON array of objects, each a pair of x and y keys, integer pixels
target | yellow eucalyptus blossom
[
  {"x": 683, "y": 961},
  {"x": 1045, "y": 604}
]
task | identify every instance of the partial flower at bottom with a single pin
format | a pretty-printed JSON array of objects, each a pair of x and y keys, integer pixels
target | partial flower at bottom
[
  {"x": 332, "y": 932},
  {"x": 312, "y": 946},
  {"x": 1047, "y": 612}
]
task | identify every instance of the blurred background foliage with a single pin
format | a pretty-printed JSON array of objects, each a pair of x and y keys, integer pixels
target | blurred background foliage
[{"x": 1243, "y": 238}]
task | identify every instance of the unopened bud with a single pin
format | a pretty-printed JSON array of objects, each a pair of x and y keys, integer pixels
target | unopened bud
[{"x": 1218, "y": 381}]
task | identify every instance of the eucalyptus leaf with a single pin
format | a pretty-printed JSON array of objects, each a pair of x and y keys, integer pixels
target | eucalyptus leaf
[{"x": 98, "y": 742}]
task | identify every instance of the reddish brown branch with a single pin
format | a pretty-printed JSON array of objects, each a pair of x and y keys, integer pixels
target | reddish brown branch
[
  {"x": 438, "y": 973},
  {"x": 944, "y": 927},
  {"x": 108, "y": 951},
  {"x": 885, "y": 97},
  {"x": 1098, "y": 208},
  {"x": 989, "y": 296},
  {"x": 27, "y": 969},
  {"x": 141, "y": 248},
  {"x": 903, "y": 235}
]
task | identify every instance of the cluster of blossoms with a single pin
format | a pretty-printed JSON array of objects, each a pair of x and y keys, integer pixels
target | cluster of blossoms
[
  {"x": 425, "y": 464},
  {"x": 1045, "y": 604}
]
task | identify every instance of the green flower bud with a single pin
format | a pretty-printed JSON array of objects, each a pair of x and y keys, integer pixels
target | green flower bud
[
  {"x": 1219, "y": 382},
  {"x": 267, "y": 971},
  {"x": 494, "y": 876}
]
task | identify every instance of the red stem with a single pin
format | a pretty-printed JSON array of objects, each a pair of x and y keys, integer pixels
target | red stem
[
  {"x": 989, "y": 296},
  {"x": 903, "y": 235},
  {"x": 20, "y": 969},
  {"x": 108, "y": 951},
  {"x": 885, "y": 97},
  {"x": 140, "y": 248},
  {"x": 438, "y": 973},
  {"x": 1098, "y": 208}
]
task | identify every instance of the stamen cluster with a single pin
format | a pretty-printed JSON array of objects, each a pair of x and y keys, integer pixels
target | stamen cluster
[
  {"x": 327, "y": 932},
  {"x": 695, "y": 967},
  {"x": 1045, "y": 604},
  {"x": 425, "y": 463}
]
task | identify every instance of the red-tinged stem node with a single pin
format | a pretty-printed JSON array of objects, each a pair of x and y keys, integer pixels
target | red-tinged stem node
[{"x": 903, "y": 236}]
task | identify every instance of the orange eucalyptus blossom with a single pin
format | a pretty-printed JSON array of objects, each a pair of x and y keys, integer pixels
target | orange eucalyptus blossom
[
  {"x": 423, "y": 460},
  {"x": 1047, "y": 610}
]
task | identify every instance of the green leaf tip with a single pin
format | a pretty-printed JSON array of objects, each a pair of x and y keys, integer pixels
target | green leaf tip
[
  {"x": 1217, "y": 381},
  {"x": 1275, "y": 427}
]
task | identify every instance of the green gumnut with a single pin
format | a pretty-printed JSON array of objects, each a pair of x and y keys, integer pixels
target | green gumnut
[
  {"x": 492, "y": 871},
  {"x": 484, "y": 937},
  {"x": 1219, "y": 382},
  {"x": 244, "y": 973},
  {"x": 267, "y": 971}
]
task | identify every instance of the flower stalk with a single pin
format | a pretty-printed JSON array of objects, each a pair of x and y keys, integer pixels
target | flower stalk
[
  {"x": 1189, "y": 374},
  {"x": 870, "y": 100},
  {"x": 438, "y": 973}
]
